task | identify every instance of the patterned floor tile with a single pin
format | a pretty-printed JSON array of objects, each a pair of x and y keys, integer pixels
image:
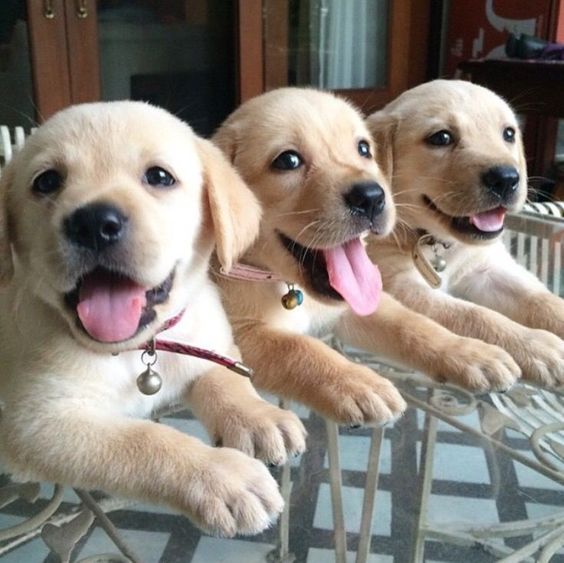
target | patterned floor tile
[
  {"x": 352, "y": 509},
  {"x": 212, "y": 550},
  {"x": 316, "y": 555}
]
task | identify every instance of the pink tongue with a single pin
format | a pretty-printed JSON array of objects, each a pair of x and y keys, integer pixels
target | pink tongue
[
  {"x": 110, "y": 306},
  {"x": 354, "y": 276},
  {"x": 489, "y": 221}
]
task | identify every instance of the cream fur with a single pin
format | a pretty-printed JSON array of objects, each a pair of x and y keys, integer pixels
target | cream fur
[
  {"x": 71, "y": 409},
  {"x": 485, "y": 294},
  {"x": 324, "y": 129}
]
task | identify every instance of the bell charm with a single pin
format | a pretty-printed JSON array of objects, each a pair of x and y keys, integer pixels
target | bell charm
[
  {"x": 294, "y": 298},
  {"x": 439, "y": 263},
  {"x": 149, "y": 381}
]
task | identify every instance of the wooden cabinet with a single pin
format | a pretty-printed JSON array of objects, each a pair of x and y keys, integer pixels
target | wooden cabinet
[
  {"x": 64, "y": 55},
  {"x": 200, "y": 58}
]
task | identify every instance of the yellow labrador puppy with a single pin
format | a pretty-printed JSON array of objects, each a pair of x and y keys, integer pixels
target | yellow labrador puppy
[
  {"x": 109, "y": 215},
  {"x": 308, "y": 157},
  {"x": 455, "y": 153}
]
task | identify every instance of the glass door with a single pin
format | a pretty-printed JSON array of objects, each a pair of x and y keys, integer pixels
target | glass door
[
  {"x": 20, "y": 59},
  {"x": 362, "y": 48},
  {"x": 178, "y": 54}
]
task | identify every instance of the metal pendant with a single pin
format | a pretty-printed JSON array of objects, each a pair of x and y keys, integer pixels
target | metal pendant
[
  {"x": 149, "y": 381},
  {"x": 294, "y": 298},
  {"x": 439, "y": 263}
]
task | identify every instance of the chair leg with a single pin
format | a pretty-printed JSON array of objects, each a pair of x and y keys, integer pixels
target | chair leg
[
  {"x": 336, "y": 492},
  {"x": 106, "y": 524},
  {"x": 370, "y": 488},
  {"x": 425, "y": 484},
  {"x": 282, "y": 553}
]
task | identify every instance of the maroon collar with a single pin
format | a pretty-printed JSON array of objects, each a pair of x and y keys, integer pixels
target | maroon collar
[{"x": 154, "y": 344}]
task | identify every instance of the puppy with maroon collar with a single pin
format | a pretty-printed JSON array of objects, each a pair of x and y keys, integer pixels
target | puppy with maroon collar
[{"x": 109, "y": 215}]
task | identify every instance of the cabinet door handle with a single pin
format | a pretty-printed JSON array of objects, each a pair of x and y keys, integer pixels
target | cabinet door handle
[
  {"x": 48, "y": 10},
  {"x": 82, "y": 9}
]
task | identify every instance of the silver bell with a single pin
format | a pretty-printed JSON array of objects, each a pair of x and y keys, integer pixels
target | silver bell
[
  {"x": 439, "y": 263},
  {"x": 149, "y": 382}
]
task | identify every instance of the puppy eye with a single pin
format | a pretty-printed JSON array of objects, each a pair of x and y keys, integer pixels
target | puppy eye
[
  {"x": 288, "y": 160},
  {"x": 47, "y": 182},
  {"x": 440, "y": 138},
  {"x": 364, "y": 149},
  {"x": 509, "y": 134},
  {"x": 158, "y": 177}
]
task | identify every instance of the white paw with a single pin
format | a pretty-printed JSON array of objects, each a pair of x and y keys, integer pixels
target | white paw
[
  {"x": 264, "y": 431},
  {"x": 232, "y": 494},
  {"x": 541, "y": 356},
  {"x": 360, "y": 397},
  {"x": 478, "y": 366}
]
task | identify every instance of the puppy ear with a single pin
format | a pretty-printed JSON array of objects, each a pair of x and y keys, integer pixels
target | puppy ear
[
  {"x": 234, "y": 209},
  {"x": 383, "y": 128},
  {"x": 6, "y": 262},
  {"x": 226, "y": 139}
]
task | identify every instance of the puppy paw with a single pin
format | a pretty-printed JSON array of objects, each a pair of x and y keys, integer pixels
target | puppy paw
[
  {"x": 359, "y": 397},
  {"x": 541, "y": 357},
  {"x": 262, "y": 430},
  {"x": 232, "y": 494},
  {"x": 476, "y": 366}
]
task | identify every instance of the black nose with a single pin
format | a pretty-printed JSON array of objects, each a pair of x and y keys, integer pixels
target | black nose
[
  {"x": 366, "y": 199},
  {"x": 95, "y": 226},
  {"x": 501, "y": 180}
]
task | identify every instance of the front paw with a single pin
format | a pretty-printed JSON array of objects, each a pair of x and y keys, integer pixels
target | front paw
[
  {"x": 541, "y": 357},
  {"x": 232, "y": 494},
  {"x": 263, "y": 431},
  {"x": 476, "y": 366},
  {"x": 358, "y": 397}
]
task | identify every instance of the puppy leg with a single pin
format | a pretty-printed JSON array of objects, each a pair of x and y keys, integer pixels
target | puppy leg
[
  {"x": 538, "y": 353},
  {"x": 504, "y": 286},
  {"x": 305, "y": 369},
  {"x": 411, "y": 339},
  {"x": 235, "y": 416},
  {"x": 222, "y": 490}
]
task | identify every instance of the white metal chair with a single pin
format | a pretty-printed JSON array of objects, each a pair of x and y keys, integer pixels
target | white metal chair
[{"x": 534, "y": 238}]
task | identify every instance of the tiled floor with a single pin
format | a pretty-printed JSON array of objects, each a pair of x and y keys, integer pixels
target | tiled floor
[{"x": 472, "y": 484}]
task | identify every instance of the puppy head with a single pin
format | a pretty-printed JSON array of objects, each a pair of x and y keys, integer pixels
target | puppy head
[
  {"x": 308, "y": 157},
  {"x": 456, "y": 156},
  {"x": 111, "y": 211}
]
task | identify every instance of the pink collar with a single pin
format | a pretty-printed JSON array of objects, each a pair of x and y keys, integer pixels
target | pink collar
[{"x": 245, "y": 272}]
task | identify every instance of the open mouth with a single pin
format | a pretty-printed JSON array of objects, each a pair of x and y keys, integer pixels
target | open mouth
[
  {"x": 111, "y": 307},
  {"x": 342, "y": 272},
  {"x": 483, "y": 225}
]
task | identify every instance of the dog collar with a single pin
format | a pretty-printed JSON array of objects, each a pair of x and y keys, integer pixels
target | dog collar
[
  {"x": 149, "y": 381},
  {"x": 243, "y": 272},
  {"x": 429, "y": 268}
]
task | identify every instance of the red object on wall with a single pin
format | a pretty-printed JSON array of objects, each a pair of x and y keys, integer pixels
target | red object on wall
[{"x": 479, "y": 28}]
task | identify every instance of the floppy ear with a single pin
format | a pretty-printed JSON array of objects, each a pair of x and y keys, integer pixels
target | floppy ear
[
  {"x": 234, "y": 209},
  {"x": 383, "y": 127},
  {"x": 6, "y": 262}
]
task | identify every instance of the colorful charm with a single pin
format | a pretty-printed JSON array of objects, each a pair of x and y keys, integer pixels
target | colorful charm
[{"x": 294, "y": 298}]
